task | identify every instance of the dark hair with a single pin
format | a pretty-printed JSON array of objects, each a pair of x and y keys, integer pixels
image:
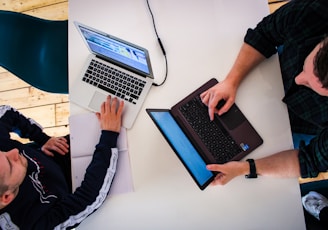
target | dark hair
[{"x": 320, "y": 63}]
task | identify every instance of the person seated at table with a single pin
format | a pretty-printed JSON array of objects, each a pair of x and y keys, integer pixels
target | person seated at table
[
  {"x": 299, "y": 28},
  {"x": 35, "y": 193}
]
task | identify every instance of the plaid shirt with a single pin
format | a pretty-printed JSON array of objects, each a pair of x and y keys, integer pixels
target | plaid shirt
[{"x": 298, "y": 27}]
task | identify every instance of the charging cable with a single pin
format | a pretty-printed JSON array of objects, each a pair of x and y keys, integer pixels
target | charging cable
[{"x": 161, "y": 45}]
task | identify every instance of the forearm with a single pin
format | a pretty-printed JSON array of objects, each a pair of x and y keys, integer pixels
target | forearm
[
  {"x": 247, "y": 59},
  {"x": 282, "y": 164}
]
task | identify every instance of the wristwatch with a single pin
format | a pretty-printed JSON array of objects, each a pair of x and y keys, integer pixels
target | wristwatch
[{"x": 252, "y": 169}]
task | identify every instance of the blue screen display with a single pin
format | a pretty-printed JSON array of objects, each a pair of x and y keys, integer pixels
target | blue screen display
[
  {"x": 116, "y": 50},
  {"x": 183, "y": 146}
]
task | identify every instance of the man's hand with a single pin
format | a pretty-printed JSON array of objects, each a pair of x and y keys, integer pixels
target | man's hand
[
  {"x": 110, "y": 115},
  {"x": 228, "y": 171},
  {"x": 57, "y": 144},
  {"x": 221, "y": 91}
]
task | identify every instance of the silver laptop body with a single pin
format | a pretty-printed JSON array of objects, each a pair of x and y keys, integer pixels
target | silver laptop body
[{"x": 114, "y": 67}]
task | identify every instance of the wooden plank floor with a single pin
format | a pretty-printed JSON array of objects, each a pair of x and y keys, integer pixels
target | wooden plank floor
[{"x": 51, "y": 110}]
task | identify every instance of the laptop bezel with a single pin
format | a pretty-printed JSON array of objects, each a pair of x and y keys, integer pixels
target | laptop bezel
[{"x": 134, "y": 70}]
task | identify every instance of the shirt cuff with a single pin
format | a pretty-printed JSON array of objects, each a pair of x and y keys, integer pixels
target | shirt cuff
[{"x": 108, "y": 138}]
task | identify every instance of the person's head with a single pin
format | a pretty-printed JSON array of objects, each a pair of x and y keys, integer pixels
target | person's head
[
  {"x": 315, "y": 69},
  {"x": 13, "y": 168}
]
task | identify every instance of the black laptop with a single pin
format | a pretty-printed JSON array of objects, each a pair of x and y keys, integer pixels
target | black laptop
[{"x": 197, "y": 141}]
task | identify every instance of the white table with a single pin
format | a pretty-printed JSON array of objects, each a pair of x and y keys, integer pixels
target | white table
[{"x": 202, "y": 39}]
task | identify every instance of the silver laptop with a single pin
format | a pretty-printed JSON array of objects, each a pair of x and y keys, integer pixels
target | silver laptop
[{"x": 114, "y": 67}]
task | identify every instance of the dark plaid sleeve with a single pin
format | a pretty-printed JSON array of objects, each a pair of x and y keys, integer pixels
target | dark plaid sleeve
[
  {"x": 294, "y": 22},
  {"x": 313, "y": 157}
]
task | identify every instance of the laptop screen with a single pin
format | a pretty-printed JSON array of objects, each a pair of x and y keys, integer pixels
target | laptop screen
[
  {"x": 116, "y": 49},
  {"x": 182, "y": 146}
]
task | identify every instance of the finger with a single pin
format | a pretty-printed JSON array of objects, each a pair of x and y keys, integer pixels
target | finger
[
  {"x": 62, "y": 139},
  {"x": 204, "y": 97},
  {"x": 59, "y": 151},
  {"x": 203, "y": 94},
  {"x": 63, "y": 142},
  {"x": 107, "y": 104},
  {"x": 114, "y": 105},
  {"x": 211, "y": 112},
  {"x": 120, "y": 108},
  {"x": 60, "y": 142},
  {"x": 227, "y": 105},
  {"x": 102, "y": 107},
  {"x": 47, "y": 152},
  {"x": 212, "y": 106},
  {"x": 56, "y": 148},
  {"x": 219, "y": 180},
  {"x": 61, "y": 148},
  {"x": 98, "y": 116},
  {"x": 214, "y": 167}
]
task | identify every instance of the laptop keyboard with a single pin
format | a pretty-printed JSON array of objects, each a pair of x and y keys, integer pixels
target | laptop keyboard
[
  {"x": 114, "y": 81},
  {"x": 214, "y": 136}
]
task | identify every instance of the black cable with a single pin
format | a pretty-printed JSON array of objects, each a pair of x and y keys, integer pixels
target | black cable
[
  {"x": 278, "y": 1},
  {"x": 161, "y": 45}
]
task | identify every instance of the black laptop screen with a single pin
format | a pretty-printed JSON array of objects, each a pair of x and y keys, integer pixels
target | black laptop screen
[
  {"x": 116, "y": 49},
  {"x": 183, "y": 147}
]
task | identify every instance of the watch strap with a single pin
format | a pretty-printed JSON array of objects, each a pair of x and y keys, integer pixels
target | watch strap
[{"x": 252, "y": 169}]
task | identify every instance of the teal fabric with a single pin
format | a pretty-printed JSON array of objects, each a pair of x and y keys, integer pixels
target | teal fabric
[{"x": 35, "y": 50}]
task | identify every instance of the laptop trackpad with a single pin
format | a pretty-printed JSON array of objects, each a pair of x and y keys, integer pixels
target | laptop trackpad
[
  {"x": 233, "y": 118},
  {"x": 97, "y": 100}
]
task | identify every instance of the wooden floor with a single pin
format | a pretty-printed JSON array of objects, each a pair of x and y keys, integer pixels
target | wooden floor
[{"x": 51, "y": 110}]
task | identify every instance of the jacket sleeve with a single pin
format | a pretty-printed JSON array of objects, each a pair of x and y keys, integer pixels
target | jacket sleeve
[
  {"x": 73, "y": 209},
  {"x": 313, "y": 157},
  {"x": 13, "y": 121}
]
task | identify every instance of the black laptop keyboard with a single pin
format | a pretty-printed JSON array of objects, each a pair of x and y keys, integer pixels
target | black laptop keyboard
[
  {"x": 114, "y": 81},
  {"x": 214, "y": 136}
]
